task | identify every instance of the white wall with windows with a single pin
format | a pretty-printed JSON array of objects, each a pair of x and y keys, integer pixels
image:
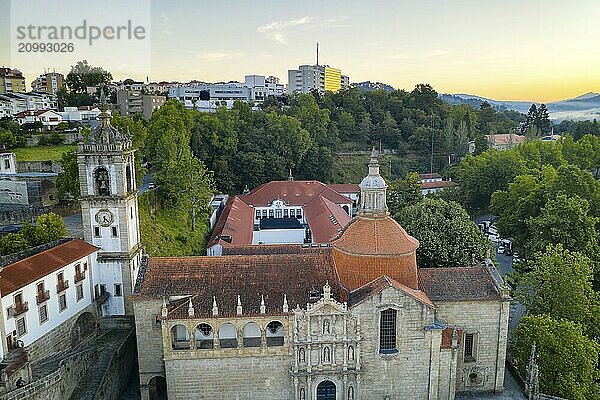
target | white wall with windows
[
  {"x": 34, "y": 310},
  {"x": 108, "y": 280}
]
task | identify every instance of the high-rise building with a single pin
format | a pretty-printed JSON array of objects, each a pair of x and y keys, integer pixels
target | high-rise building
[
  {"x": 48, "y": 82},
  {"x": 134, "y": 102},
  {"x": 316, "y": 77},
  {"x": 11, "y": 80}
]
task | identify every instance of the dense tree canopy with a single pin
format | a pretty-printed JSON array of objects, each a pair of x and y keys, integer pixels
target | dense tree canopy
[
  {"x": 558, "y": 283},
  {"x": 447, "y": 236},
  {"x": 48, "y": 227},
  {"x": 567, "y": 358}
]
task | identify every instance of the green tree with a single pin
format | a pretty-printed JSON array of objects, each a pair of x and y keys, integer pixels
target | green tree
[
  {"x": 404, "y": 192},
  {"x": 543, "y": 120},
  {"x": 567, "y": 358},
  {"x": 447, "y": 235},
  {"x": 83, "y": 75},
  {"x": 67, "y": 182},
  {"x": 13, "y": 243},
  {"x": 49, "y": 227},
  {"x": 480, "y": 176},
  {"x": 305, "y": 109},
  {"x": 563, "y": 220},
  {"x": 559, "y": 283}
]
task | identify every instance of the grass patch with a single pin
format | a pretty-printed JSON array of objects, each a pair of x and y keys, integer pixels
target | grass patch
[
  {"x": 167, "y": 232},
  {"x": 42, "y": 153}
]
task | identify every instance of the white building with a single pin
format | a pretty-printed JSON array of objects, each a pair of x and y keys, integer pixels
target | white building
[
  {"x": 280, "y": 212},
  {"x": 44, "y": 290},
  {"x": 48, "y": 118},
  {"x": 433, "y": 183},
  {"x": 208, "y": 97},
  {"x": 82, "y": 114},
  {"x": 321, "y": 78},
  {"x": 13, "y": 103},
  {"x": 8, "y": 163}
]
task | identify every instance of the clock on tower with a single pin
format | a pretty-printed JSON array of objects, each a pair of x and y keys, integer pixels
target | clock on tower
[{"x": 109, "y": 208}]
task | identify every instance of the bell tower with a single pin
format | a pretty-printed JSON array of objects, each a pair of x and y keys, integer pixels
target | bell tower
[{"x": 109, "y": 209}]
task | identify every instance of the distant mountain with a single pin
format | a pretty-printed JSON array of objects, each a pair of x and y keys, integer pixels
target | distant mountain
[
  {"x": 369, "y": 86},
  {"x": 586, "y": 106}
]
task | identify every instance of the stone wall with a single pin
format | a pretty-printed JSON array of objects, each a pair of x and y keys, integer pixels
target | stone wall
[
  {"x": 58, "y": 339},
  {"x": 122, "y": 365},
  {"x": 264, "y": 378},
  {"x": 59, "y": 384},
  {"x": 39, "y": 166},
  {"x": 149, "y": 336},
  {"x": 488, "y": 320},
  {"x": 409, "y": 373}
]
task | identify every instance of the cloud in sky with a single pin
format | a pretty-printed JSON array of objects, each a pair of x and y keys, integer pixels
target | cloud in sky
[{"x": 280, "y": 30}]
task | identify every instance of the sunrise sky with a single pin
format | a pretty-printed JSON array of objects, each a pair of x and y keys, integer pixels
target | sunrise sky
[{"x": 511, "y": 49}]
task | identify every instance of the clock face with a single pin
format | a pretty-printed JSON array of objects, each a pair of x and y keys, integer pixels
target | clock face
[{"x": 104, "y": 217}]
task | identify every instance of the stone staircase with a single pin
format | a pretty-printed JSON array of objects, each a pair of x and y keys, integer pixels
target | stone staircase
[{"x": 106, "y": 346}]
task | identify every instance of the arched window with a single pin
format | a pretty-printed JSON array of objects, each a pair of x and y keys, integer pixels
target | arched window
[
  {"x": 351, "y": 393},
  {"x": 128, "y": 178},
  {"x": 326, "y": 354},
  {"x": 350, "y": 353},
  {"x": 102, "y": 182},
  {"x": 275, "y": 334},
  {"x": 204, "y": 336},
  {"x": 387, "y": 331},
  {"x": 252, "y": 335},
  {"x": 301, "y": 355},
  {"x": 180, "y": 339},
  {"x": 227, "y": 336},
  {"x": 302, "y": 394}
]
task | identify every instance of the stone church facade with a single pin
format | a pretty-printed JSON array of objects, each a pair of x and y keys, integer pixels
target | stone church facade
[{"x": 351, "y": 320}]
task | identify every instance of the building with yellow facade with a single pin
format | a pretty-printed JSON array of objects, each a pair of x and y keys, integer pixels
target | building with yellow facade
[
  {"x": 11, "y": 80},
  {"x": 316, "y": 77}
]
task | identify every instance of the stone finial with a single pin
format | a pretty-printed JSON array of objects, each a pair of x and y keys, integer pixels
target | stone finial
[
  {"x": 190, "y": 308},
  {"x": 263, "y": 309},
  {"x": 239, "y": 306},
  {"x": 285, "y": 303},
  {"x": 164, "y": 311},
  {"x": 215, "y": 309},
  {"x": 290, "y": 176},
  {"x": 327, "y": 291}
]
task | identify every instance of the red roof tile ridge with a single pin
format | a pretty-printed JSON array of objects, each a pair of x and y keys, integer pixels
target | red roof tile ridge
[{"x": 50, "y": 250}]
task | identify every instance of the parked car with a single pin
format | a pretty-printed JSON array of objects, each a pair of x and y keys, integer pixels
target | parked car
[
  {"x": 151, "y": 185},
  {"x": 494, "y": 238},
  {"x": 500, "y": 249}
]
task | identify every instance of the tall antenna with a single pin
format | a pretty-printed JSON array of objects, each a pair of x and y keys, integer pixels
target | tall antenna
[{"x": 317, "y": 53}]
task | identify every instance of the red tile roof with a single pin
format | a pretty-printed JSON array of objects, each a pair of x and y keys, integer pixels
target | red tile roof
[
  {"x": 458, "y": 283},
  {"x": 438, "y": 184},
  {"x": 373, "y": 246},
  {"x": 295, "y": 193},
  {"x": 383, "y": 282},
  {"x": 250, "y": 277},
  {"x": 325, "y": 219},
  {"x": 319, "y": 201},
  {"x": 344, "y": 188},
  {"x": 254, "y": 249},
  {"x": 501, "y": 139},
  {"x": 21, "y": 273},
  {"x": 375, "y": 236},
  {"x": 236, "y": 221}
]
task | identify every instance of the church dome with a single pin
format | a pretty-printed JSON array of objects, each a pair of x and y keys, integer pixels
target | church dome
[
  {"x": 374, "y": 244},
  {"x": 373, "y": 182}
]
